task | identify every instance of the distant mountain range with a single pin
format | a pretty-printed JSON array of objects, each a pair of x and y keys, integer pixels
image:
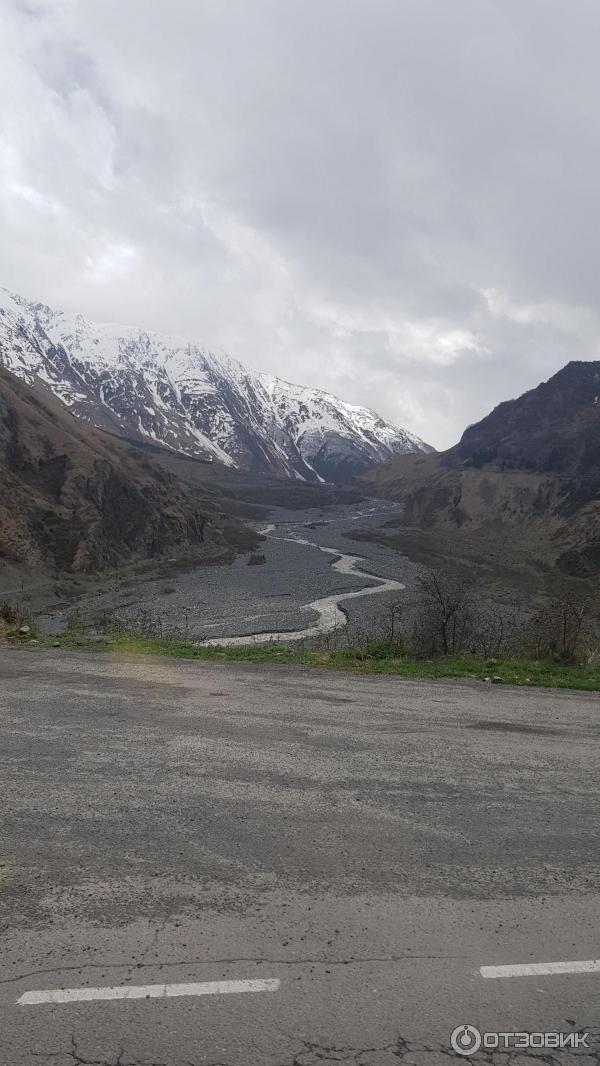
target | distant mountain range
[
  {"x": 529, "y": 469},
  {"x": 170, "y": 392}
]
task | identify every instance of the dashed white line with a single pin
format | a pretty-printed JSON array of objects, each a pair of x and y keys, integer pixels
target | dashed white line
[
  {"x": 204, "y": 988},
  {"x": 541, "y": 969}
]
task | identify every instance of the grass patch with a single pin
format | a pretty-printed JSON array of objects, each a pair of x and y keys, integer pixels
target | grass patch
[{"x": 379, "y": 657}]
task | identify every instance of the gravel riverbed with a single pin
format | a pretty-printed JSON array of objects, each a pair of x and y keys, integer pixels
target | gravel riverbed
[{"x": 215, "y": 602}]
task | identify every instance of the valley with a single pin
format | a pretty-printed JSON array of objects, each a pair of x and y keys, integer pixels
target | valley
[
  {"x": 314, "y": 582},
  {"x": 299, "y": 526},
  {"x": 215, "y": 603}
]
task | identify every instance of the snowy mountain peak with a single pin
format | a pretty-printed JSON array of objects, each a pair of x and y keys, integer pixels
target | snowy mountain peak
[{"x": 149, "y": 387}]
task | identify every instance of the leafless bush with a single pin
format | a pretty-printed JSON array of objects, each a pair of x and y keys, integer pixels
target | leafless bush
[
  {"x": 9, "y": 614},
  {"x": 75, "y": 623},
  {"x": 495, "y": 631},
  {"x": 393, "y": 621},
  {"x": 16, "y": 613},
  {"x": 591, "y": 653},
  {"x": 561, "y": 629},
  {"x": 444, "y": 617},
  {"x": 449, "y": 619}
]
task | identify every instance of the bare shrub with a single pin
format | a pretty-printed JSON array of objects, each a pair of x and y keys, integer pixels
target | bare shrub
[
  {"x": 560, "y": 629},
  {"x": 445, "y": 614},
  {"x": 496, "y": 629},
  {"x": 75, "y": 624},
  {"x": 9, "y": 614},
  {"x": 591, "y": 653},
  {"x": 393, "y": 621},
  {"x": 14, "y": 614}
]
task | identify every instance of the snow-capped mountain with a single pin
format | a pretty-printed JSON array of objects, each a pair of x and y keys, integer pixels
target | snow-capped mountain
[{"x": 165, "y": 390}]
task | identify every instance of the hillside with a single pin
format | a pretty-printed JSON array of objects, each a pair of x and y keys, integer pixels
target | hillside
[
  {"x": 530, "y": 470},
  {"x": 168, "y": 391},
  {"x": 74, "y": 499}
]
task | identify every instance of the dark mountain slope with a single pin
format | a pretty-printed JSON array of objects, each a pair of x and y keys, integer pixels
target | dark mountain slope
[
  {"x": 531, "y": 467},
  {"x": 553, "y": 428},
  {"x": 73, "y": 498}
]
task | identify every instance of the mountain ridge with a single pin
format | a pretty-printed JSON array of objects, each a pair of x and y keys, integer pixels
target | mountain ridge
[
  {"x": 164, "y": 389},
  {"x": 530, "y": 469}
]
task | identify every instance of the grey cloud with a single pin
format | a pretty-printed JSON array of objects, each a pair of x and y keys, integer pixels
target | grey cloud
[{"x": 391, "y": 199}]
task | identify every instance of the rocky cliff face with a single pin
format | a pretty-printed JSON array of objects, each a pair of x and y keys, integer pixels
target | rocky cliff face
[
  {"x": 554, "y": 428},
  {"x": 531, "y": 466},
  {"x": 73, "y": 499},
  {"x": 147, "y": 387}
]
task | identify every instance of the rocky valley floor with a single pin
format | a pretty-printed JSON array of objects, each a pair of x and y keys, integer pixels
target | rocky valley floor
[{"x": 220, "y": 602}]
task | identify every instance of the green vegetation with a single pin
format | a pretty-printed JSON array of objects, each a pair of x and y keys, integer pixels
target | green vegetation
[{"x": 375, "y": 657}]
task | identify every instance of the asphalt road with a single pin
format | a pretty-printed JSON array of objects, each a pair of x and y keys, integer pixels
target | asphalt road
[{"x": 360, "y": 847}]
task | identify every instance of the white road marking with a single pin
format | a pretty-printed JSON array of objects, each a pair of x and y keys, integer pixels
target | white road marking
[
  {"x": 539, "y": 969},
  {"x": 204, "y": 988}
]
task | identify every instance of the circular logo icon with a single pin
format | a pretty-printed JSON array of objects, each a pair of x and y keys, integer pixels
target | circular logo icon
[{"x": 465, "y": 1040}]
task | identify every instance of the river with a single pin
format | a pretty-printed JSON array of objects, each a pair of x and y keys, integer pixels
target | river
[
  {"x": 330, "y": 615},
  {"x": 315, "y": 582}
]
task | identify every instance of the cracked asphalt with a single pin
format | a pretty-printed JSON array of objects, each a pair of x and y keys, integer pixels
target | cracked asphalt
[{"x": 370, "y": 842}]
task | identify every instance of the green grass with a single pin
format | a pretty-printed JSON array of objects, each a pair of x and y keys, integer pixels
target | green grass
[{"x": 378, "y": 657}]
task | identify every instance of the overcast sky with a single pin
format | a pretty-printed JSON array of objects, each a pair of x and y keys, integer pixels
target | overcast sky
[{"x": 394, "y": 200}]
